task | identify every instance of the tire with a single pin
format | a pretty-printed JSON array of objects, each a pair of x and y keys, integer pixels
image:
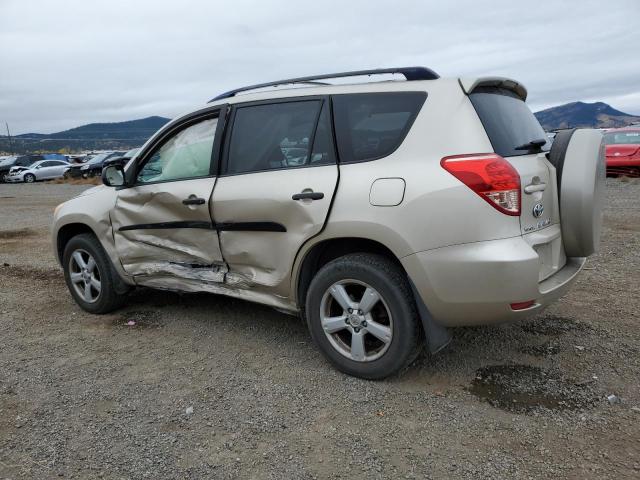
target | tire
[
  {"x": 29, "y": 178},
  {"x": 107, "y": 298},
  {"x": 558, "y": 152},
  {"x": 578, "y": 156},
  {"x": 355, "y": 274}
]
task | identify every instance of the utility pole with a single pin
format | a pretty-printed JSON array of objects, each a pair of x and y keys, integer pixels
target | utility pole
[{"x": 9, "y": 135}]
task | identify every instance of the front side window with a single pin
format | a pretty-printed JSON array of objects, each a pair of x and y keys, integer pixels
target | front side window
[
  {"x": 273, "y": 136},
  {"x": 187, "y": 154},
  {"x": 373, "y": 125}
]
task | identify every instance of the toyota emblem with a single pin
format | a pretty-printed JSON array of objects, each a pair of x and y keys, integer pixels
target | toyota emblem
[{"x": 538, "y": 210}]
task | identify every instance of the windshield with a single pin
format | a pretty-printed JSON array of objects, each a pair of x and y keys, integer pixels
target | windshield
[
  {"x": 509, "y": 123},
  {"x": 131, "y": 153},
  {"x": 98, "y": 158},
  {"x": 622, "y": 138}
]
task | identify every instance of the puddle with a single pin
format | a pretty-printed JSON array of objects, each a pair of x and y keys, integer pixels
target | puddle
[
  {"x": 523, "y": 388},
  {"x": 553, "y": 325},
  {"x": 544, "y": 350},
  {"x": 137, "y": 319}
]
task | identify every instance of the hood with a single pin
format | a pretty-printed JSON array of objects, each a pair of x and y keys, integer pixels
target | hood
[
  {"x": 92, "y": 190},
  {"x": 626, "y": 150},
  {"x": 18, "y": 169}
]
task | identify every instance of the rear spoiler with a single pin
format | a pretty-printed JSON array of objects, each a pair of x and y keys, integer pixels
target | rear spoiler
[{"x": 470, "y": 84}]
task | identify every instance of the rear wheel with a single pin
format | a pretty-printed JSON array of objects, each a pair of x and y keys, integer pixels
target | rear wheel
[
  {"x": 361, "y": 313},
  {"x": 29, "y": 178},
  {"x": 89, "y": 275}
]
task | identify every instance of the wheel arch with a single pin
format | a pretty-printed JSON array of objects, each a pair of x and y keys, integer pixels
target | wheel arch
[
  {"x": 66, "y": 233},
  {"x": 329, "y": 249}
]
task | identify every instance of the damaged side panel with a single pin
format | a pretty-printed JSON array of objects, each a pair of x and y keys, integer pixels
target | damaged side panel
[{"x": 157, "y": 235}]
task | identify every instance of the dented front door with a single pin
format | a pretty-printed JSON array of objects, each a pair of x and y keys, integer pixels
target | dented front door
[{"x": 162, "y": 224}]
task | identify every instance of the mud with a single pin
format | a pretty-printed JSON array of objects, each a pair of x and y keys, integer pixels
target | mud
[{"x": 524, "y": 388}]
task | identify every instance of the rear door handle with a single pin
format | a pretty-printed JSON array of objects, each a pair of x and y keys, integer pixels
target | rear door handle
[
  {"x": 193, "y": 200},
  {"x": 308, "y": 195},
  {"x": 535, "y": 187}
]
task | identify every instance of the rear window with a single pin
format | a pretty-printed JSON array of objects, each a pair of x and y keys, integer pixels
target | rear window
[
  {"x": 622, "y": 138},
  {"x": 508, "y": 121},
  {"x": 373, "y": 125}
]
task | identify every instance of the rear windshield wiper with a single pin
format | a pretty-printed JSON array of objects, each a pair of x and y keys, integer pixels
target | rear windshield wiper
[{"x": 532, "y": 145}]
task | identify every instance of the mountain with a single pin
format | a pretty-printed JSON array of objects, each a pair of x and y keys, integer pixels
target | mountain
[
  {"x": 580, "y": 114},
  {"x": 120, "y": 135},
  {"x": 133, "y": 133}
]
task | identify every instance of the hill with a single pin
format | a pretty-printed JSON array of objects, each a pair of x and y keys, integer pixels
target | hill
[
  {"x": 580, "y": 114},
  {"x": 119, "y": 135}
]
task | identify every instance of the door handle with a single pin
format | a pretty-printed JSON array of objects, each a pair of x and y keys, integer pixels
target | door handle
[
  {"x": 535, "y": 187},
  {"x": 193, "y": 200},
  {"x": 308, "y": 195}
]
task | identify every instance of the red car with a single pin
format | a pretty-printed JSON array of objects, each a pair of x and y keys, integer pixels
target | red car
[{"x": 623, "y": 151}]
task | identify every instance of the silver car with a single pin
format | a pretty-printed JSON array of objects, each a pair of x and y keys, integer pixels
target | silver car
[
  {"x": 40, "y": 170},
  {"x": 381, "y": 213}
]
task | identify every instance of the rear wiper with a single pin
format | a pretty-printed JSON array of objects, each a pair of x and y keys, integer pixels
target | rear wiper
[{"x": 532, "y": 145}]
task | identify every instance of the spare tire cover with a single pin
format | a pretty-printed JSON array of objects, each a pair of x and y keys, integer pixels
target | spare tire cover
[{"x": 582, "y": 182}]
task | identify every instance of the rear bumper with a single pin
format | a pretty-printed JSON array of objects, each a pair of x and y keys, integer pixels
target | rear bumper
[{"x": 475, "y": 283}]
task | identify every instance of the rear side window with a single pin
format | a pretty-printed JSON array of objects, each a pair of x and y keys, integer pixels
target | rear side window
[
  {"x": 272, "y": 136},
  {"x": 509, "y": 123},
  {"x": 373, "y": 125}
]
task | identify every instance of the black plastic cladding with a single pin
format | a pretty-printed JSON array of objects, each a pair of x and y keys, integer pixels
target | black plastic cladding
[{"x": 410, "y": 73}]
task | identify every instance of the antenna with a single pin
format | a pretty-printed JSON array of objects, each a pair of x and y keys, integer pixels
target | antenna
[{"x": 9, "y": 135}]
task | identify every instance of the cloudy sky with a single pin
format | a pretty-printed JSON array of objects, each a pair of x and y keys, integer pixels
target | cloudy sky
[{"x": 70, "y": 62}]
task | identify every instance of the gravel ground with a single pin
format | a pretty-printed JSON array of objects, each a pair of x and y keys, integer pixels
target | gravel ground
[{"x": 209, "y": 387}]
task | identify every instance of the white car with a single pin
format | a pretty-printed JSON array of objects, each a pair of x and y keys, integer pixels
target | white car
[{"x": 41, "y": 170}]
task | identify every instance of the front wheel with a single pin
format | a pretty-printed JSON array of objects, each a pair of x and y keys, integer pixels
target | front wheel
[
  {"x": 362, "y": 315},
  {"x": 89, "y": 275},
  {"x": 29, "y": 178}
]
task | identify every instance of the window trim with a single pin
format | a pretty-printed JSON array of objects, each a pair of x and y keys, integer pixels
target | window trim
[
  {"x": 402, "y": 138},
  {"x": 160, "y": 138},
  {"x": 224, "y": 163}
]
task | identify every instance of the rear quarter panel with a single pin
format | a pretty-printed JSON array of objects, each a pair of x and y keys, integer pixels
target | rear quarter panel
[{"x": 437, "y": 209}]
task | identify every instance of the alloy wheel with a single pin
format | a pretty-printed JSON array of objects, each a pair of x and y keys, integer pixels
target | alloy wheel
[
  {"x": 356, "y": 320},
  {"x": 85, "y": 275}
]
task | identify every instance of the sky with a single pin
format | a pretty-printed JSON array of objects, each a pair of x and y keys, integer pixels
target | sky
[{"x": 65, "y": 63}]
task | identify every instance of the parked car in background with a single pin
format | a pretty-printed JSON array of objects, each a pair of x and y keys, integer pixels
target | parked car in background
[
  {"x": 623, "y": 151},
  {"x": 94, "y": 166},
  {"x": 19, "y": 161},
  {"x": 41, "y": 170},
  {"x": 123, "y": 160},
  {"x": 331, "y": 202},
  {"x": 76, "y": 170}
]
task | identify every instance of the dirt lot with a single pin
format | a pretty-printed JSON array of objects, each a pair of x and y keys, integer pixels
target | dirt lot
[{"x": 209, "y": 387}]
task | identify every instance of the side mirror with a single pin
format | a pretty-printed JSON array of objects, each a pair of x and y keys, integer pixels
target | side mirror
[{"x": 113, "y": 175}]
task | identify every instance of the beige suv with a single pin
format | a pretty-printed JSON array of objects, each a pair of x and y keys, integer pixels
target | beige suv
[{"x": 381, "y": 212}]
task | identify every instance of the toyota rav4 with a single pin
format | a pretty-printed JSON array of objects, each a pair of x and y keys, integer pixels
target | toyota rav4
[{"x": 381, "y": 212}]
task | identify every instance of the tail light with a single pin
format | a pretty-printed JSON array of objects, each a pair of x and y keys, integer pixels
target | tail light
[{"x": 490, "y": 176}]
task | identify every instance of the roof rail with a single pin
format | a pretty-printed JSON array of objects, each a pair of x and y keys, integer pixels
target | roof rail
[{"x": 410, "y": 73}]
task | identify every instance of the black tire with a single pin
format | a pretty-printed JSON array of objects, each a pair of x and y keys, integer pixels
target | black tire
[
  {"x": 108, "y": 299},
  {"x": 558, "y": 152},
  {"x": 29, "y": 178},
  {"x": 390, "y": 281}
]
